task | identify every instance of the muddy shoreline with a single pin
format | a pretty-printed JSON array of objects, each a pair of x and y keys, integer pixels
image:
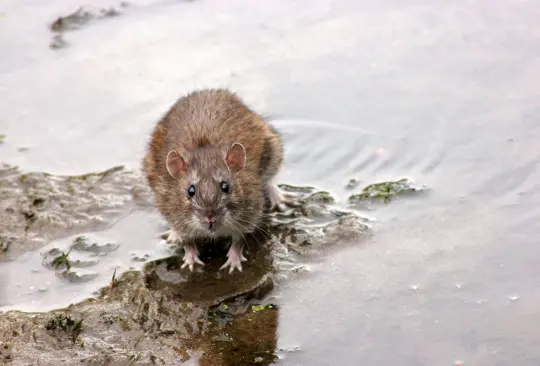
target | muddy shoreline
[{"x": 159, "y": 314}]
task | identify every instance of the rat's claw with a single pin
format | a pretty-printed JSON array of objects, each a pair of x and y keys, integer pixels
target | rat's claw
[
  {"x": 191, "y": 257},
  {"x": 234, "y": 259},
  {"x": 234, "y": 263}
]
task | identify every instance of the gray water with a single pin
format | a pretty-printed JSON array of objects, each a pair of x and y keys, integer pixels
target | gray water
[{"x": 443, "y": 92}]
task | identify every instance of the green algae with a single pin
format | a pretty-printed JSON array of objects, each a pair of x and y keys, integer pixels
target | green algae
[
  {"x": 62, "y": 260},
  {"x": 386, "y": 191}
]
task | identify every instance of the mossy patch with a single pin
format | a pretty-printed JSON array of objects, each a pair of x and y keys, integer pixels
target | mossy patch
[{"x": 386, "y": 191}]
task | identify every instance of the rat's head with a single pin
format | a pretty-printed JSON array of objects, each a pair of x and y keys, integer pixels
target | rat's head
[{"x": 206, "y": 185}]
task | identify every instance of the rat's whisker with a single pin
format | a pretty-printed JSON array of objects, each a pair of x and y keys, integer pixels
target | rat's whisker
[
  {"x": 235, "y": 227},
  {"x": 254, "y": 226},
  {"x": 253, "y": 236}
]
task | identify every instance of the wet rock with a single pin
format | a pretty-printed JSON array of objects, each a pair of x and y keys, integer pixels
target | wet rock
[
  {"x": 85, "y": 333},
  {"x": 385, "y": 191},
  {"x": 94, "y": 245},
  {"x": 65, "y": 324},
  {"x": 210, "y": 286},
  {"x": 320, "y": 197},
  {"x": 344, "y": 230},
  {"x": 140, "y": 257},
  {"x": 5, "y": 243},
  {"x": 7, "y": 170},
  {"x": 77, "y": 276},
  {"x": 57, "y": 259},
  {"x": 352, "y": 184},
  {"x": 80, "y": 17},
  {"x": 76, "y": 20},
  {"x": 311, "y": 204}
]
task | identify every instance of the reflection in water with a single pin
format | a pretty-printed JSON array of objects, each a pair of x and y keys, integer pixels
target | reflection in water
[
  {"x": 207, "y": 284},
  {"x": 236, "y": 329}
]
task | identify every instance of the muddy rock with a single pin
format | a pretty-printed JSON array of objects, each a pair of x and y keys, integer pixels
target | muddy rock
[
  {"x": 80, "y": 17},
  {"x": 77, "y": 19},
  {"x": 210, "y": 286}
]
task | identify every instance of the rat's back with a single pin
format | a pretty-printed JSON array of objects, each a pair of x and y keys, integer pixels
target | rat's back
[
  {"x": 210, "y": 117},
  {"x": 213, "y": 116}
]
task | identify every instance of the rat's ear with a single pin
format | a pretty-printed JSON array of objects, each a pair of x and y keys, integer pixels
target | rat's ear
[
  {"x": 236, "y": 157},
  {"x": 176, "y": 165}
]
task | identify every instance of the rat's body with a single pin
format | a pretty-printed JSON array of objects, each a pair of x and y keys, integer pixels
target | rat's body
[{"x": 211, "y": 162}]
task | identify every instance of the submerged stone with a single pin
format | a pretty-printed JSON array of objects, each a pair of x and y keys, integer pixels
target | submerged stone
[
  {"x": 94, "y": 245},
  {"x": 78, "y": 275}
]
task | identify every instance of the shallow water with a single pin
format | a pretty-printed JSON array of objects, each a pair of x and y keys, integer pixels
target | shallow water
[{"x": 444, "y": 93}]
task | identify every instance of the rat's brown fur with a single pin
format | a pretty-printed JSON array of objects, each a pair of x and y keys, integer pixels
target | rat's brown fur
[{"x": 202, "y": 124}]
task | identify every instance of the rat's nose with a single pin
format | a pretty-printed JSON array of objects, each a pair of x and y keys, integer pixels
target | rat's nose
[{"x": 210, "y": 219}]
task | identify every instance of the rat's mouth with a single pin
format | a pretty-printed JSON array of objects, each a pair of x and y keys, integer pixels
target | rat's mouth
[{"x": 211, "y": 226}]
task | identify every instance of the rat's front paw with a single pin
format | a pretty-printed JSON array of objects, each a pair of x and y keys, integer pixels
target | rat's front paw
[
  {"x": 234, "y": 260},
  {"x": 277, "y": 199},
  {"x": 171, "y": 236},
  {"x": 191, "y": 257}
]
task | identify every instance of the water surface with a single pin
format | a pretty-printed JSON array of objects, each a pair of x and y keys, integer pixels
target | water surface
[{"x": 444, "y": 93}]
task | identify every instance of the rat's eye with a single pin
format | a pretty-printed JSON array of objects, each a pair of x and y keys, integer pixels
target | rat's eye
[
  {"x": 191, "y": 191},
  {"x": 225, "y": 187}
]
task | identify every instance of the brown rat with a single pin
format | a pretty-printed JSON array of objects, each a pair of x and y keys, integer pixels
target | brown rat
[{"x": 210, "y": 162}]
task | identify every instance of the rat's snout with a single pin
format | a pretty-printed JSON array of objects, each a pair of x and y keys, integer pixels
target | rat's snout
[{"x": 209, "y": 217}]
